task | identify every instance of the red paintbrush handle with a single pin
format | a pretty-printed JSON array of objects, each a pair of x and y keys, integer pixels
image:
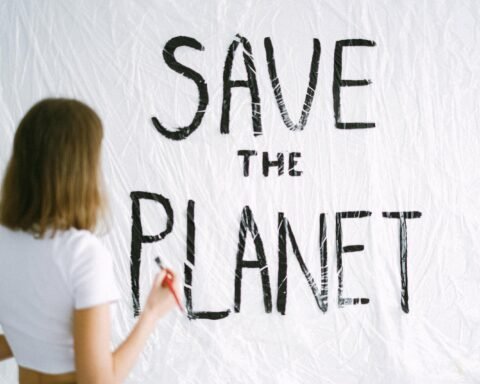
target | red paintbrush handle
[{"x": 168, "y": 280}]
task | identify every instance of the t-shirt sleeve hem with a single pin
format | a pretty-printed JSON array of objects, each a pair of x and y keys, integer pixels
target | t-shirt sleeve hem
[{"x": 94, "y": 301}]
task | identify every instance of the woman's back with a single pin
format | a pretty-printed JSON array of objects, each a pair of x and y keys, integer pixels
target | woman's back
[
  {"x": 41, "y": 282},
  {"x": 55, "y": 293}
]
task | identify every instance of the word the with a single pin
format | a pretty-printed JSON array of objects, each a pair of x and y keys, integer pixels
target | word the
[{"x": 267, "y": 163}]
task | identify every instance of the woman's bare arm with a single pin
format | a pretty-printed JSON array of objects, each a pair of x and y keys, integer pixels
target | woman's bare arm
[
  {"x": 95, "y": 363},
  {"x": 5, "y": 351}
]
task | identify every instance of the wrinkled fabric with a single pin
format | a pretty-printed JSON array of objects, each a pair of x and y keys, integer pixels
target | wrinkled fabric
[{"x": 420, "y": 156}]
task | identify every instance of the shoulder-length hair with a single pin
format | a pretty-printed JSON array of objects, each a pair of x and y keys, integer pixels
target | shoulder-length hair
[{"x": 52, "y": 180}]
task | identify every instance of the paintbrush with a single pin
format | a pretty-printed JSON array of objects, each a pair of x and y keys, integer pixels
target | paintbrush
[{"x": 168, "y": 281}]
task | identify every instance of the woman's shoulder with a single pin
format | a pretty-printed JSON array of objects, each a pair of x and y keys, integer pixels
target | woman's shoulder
[
  {"x": 91, "y": 269},
  {"x": 86, "y": 253},
  {"x": 81, "y": 240},
  {"x": 77, "y": 235}
]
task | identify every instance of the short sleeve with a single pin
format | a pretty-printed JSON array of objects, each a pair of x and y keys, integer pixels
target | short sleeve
[{"x": 93, "y": 274}]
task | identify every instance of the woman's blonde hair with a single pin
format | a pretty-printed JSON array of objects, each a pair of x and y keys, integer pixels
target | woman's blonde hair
[{"x": 52, "y": 180}]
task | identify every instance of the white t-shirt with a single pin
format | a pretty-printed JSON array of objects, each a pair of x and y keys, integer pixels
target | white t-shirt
[{"x": 42, "y": 281}]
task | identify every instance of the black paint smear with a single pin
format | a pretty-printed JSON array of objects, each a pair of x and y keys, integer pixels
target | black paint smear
[
  {"x": 251, "y": 83},
  {"x": 339, "y": 82},
  {"x": 344, "y": 249},
  {"x": 246, "y": 159},
  {"x": 282, "y": 266},
  {"x": 247, "y": 222},
  {"x": 138, "y": 238},
  {"x": 192, "y": 315},
  {"x": 168, "y": 55},
  {"x": 277, "y": 90},
  {"x": 279, "y": 163},
  {"x": 323, "y": 263},
  {"x": 283, "y": 229},
  {"x": 402, "y": 216},
  {"x": 292, "y": 162}
]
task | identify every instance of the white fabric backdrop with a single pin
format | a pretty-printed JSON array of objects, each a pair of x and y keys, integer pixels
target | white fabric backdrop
[{"x": 422, "y": 155}]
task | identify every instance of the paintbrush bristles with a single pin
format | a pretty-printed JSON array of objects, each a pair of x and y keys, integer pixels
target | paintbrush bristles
[{"x": 159, "y": 262}]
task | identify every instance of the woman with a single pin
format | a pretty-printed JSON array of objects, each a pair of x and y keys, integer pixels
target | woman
[{"x": 56, "y": 277}]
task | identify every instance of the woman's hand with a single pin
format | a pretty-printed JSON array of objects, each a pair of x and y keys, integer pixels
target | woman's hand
[{"x": 160, "y": 300}]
